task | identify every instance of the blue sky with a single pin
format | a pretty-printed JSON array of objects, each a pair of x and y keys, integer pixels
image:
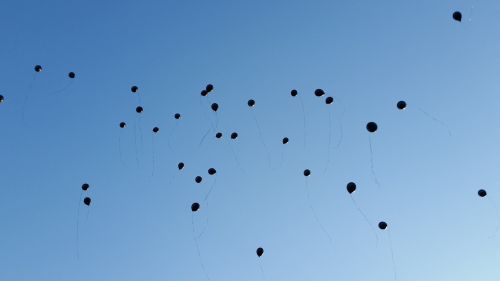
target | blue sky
[{"x": 367, "y": 55}]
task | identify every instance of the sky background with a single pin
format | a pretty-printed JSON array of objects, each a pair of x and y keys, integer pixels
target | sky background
[{"x": 57, "y": 134}]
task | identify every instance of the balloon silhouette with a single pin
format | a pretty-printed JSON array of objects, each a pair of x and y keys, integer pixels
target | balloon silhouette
[
  {"x": 285, "y": 140},
  {"x": 307, "y": 172},
  {"x": 329, "y": 100},
  {"x": 177, "y": 116},
  {"x": 85, "y": 186},
  {"x": 457, "y": 16},
  {"x": 134, "y": 89},
  {"x": 215, "y": 107},
  {"x": 180, "y": 166},
  {"x": 204, "y": 93},
  {"x": 156, "y": 129},
  {"x": 293, "y": 93},
  {"x": 251, "y": 103},
  {"x": 371, "y": 127},
  {"x": 38, "y": 68},
  {"x": 1, "y": 98},
  {"x": 195, "y": 207},
  {"x": 87, "y": 201},
  {"x": 319, "y": 92},
  {"x": 212, "y": 171},
  {"x": 481, "y": 193},
  {"x": 71, "y": 75},
  {"x": 382, "y": 225},
  {"x": 209, "y": 88},
  {"x": 139, "y": 109},
  {"x": 123, "y": 125},
  {"x": 234, "y": 135},
  {"x": 351, "y": 187},
  {"x": 218, "y": 135},
  {"x": 198, "y": 179},
  {"x": 260, "y": 252},
  {"x": 401, "y": 105}
]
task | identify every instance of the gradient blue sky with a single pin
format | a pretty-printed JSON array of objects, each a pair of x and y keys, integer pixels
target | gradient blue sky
[{"x": 366, "y": 54}]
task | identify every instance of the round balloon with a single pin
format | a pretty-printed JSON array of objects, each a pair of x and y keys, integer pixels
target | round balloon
[
  {"x": 260, "y": 252},
  {"x": 85, "y": 186},
  {"x": 123, "y": 125},
  {"x": 382, "y": 225},
  {"x": 38, "y": 68},
  {"x": 134, "y": 89},
  {"x": 457, "y": 16},
  {"x": 87, "y": 201},
  {"x": 156, "y": 129},
  {"x": 371, "y": 127},
  {"x": 215, "y": 107},
  {"x": 401, "y": 104},
  {"x": 209, "y": 88},
  {"x": 307, "y": 172},
  {"x": 218, "y": 135},
  {"x": 481, "y": 193},
  {"x": 212, "y": 171},
  {"x": 293, "y": 93},
  {"x": 351, "y": 187},
  {"x": 195, "y": 207},
  {"x": 71, "y": 75},
  {"x": 177, "y": 116},
  {"x": 139, "y": 109},
  {"x": 285, "y": 140},
  {"x": 251, "y": 103},
  {"x": 329, "y": 100},
  {"x": 319, "y": 92},
  {"x": 234, "y": 135},
  {"x": 180, "y": 166},
  {"x": 198, "y": 179}
]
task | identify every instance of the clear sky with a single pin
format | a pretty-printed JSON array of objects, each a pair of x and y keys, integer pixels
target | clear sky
[{"x": 429, "y": 159}]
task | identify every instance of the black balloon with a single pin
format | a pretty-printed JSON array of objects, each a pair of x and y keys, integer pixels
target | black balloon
[
  {"x": 134, "y": 89},
  {"x": 215, "y": 107},
  {"x": 1, "y": 98},
  {"x": 71, "y": 75},
  {"x": 85, "y": 186},
  {"x": 307, "y": 172},
  {"x": 234, "y": 135},
  {"x": 285, "y": 140},
  {"x": 204, "y": 93},
  {"x": 139, "y": 109},
  {"x": 457, "y": 16},
  {"x": 293, "y": 93},
  {"x": 209, "y": 88},
  {"x": 260, "y": 252},
  {"x": 382, "y": 225},
  {"x": 329, "y": 100},
  {"x": 195, "y": 207},
  {"x": 319, "y": 92},
  {"x": 218, "y": 135},
  {"x": 481, "y": 193},
  {"x": 38, "y": 68},
  {"x": 401, "y": 105},
  {"x": 123, "y": 125},
  {"x": 87, "y": 201},
  {"x": 251, "y": 103},
  {"x": 198, "y": 179},
  {"x": 156, "y": 129},
  {"x": 351, "y": 187},
  {"x": 180, "y": 166},
  {"x": 212, "y": 171},
  {"x": 177, "y": 116},
  {"x": 371, "y": 127}
]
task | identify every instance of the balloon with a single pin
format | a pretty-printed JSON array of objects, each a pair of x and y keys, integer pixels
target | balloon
[
  {"x": 319, "y": 92},
  {"x": 371, "y": 127},
  {"x": 139, "y": 109},
  {"x": 260, "y": 252},
  {"x": 307, "y": 172},
  {"x": 155, "y": 130},
  {"x": 1, "y": 98},
  {"x": 198, "y": 179},
  {"x": 71, "y": 75},
  {"x": 177, "y": 116},
  {"x": 123, "y": 125},
  {"x": 180, "y": 166},
  {"x": 38, "y": 68},
  {"x": 382, "y": 225},
  {"x": 212, "y": 171},
  {"x": 85, "y": 186},
  {"x": 251, "y": 103},
  {"x": 209, "y": 88},
  {"x": 195, "y": 207},
  {"x": 401, "y": 104},
  {"x": 215, "y": 107},
  {"x": 481, "y": 193},
  {"x": 204, "y": 93},
  {"x": 87, "y": 201},
  {"x": 285, "y": 140},
  {"x": 234, "y": 135},
  {"x": 329, "y": 100},
  {"x": 293, "y": 93},
  {"x": 218, "y": 135},
  {"x": 457, "y": 16},
  {"x": 134, "y": 89},
  {"x": 351, "y": 187}
]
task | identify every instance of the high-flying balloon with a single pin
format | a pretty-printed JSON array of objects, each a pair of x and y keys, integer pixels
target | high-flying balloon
[
  {"x": 212, "y": 171},
  {"x": 371, "y": 127},
  {"x": 259, "y": 252},
  {"x": 351, "y": 187},
  {"x": 85, "y": 186},
  {"x": 156, "y": 129},
  {"x": 293, "y": 93},
  {"x": 87, "y": 201},
  {"x": 457, "y": 16},
  {"x": 1, "y": 98},
  {"x": 251, "y": 103},
  {"x": 382, "y": 225},
  {"x": 177, "y": 116},
  {"x": 139, "y": 109},
  {"x": 215, "y": 107},
  {"x": 209, "y": 88},
  {"x": 285, "y": 140},
  {"x": 195, "y": 207},
  {"x": 401, "y": 104},
  {"x": 329, "y": 100},
  {"x": 319, "y": 92},
  {"x": 198, "y": 179},
  {"x": 234, "y": 135},
  {"x": 218, "y": 135},
  {"x": 71, "y": 75},
  {"x": 307, "y": 172},
  {"x": 180, "y": 166},
  {"x": 134, "y": 89},
  {"x": 38, "y": 68},
  {"x": 481, "y": 193},
  {"x": 123, "y": 125}
]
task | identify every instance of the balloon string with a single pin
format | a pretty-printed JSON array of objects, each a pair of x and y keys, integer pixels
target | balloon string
[
  {"x": 153, "y": 155},
  {"x": 203, "y": 138},
  {"x": 61, "y": 89},
  {"x": 236, "y": 158},
  {"x": 329, "y": 142},
  {"x": 495, "y": 208},
  {"x": 26, "y": 97},
  {"x": 303, "y": 120},
  {"x": 268, "y": 156},
  {"x": 262, "y": 270},
  {"x": 392, "y": 256},
  {"x": 315, "y": 215},
  {"x": 365, "y": 217},
  {"x": 341, "y": 127},
  {"x": 135, "y": 143},
  {"x": 435, "y": 120},
  {"x": 198, "y": 250},
  {"x": 372, "y": 166},
  {"x": 78, "y": 227},
  {"x": 210, "y": 190},
  {"x": 170, "y": 137},
  {"x": 120, "y": 150}
]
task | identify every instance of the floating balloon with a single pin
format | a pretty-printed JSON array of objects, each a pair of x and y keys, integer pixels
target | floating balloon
[
  {"x": 382, "y": 225},
  {"x": 260, "y": 252},
  {"x": 123, "y": 125},
  {"x": 204, "y": 93},
  {"x": 87, "y": 201},
  {"x": 307, "y": 172},
  {"x": 177, "y": 116},
  {"x": 38, "y": 68},
  {"x": 234, "y": 135},
  {"x": 285, "y": 140},
  {"x": 351, "y": 187},
  {"x": 156, "y": 129},
  {"x": 293, "y": 93},
  {"x": 215, "y": 107},
  {"x": 251, "y": 103},
  {"x": 71, "y": 75},
  {"x": 195, "y": 207},
  {"x": 209, "y": 88},
  {"x": 198, "y": 179},
  {"x": 85, "y": 186},
  {"x": 180, "y": 166},
  {"x": 319, "y": 92},
  {"x": 329, "y": 100},
  {"x": 457, "y": 16},
  {"x": 371, "y": 127},
  {"x": 212, "y": 171},
  {"x": 139, "y": 109},
  {"x": 218, "y": 135},
  {"x": 481, "y": 193},
  {"x": 401, "y": 105},
  {"x": 1, "y": 98},
  {"x": 134, "y": 89}
]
